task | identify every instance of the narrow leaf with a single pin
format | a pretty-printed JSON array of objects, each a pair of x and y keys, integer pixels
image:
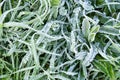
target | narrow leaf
[
  {"x": 91, "y": 37},
  {"x": 85, "y": 27},
  {"x": 95, "y": 29}
]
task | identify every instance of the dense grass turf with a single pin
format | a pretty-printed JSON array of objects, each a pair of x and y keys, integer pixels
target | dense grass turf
[{"x": 59, "y": 39}]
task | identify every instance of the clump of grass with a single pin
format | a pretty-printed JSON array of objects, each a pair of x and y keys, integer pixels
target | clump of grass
[{"x": 59, "y": 40}]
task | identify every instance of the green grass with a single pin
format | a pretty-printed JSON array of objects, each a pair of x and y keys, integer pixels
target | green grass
[{"x": 59, "y": 40}]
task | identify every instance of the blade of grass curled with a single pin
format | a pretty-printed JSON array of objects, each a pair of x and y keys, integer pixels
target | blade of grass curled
[
  {"x": 2, "y": 17},
  {"x": 22, "y": 25},
  {"x": 114, "y": 47},
  {"x": 48, "y": 52},
  {"x": 34, "y": 51},
  {"x": 109, "y": 30},
  {"x": 24, "y": 69},
  {"x": 47, "y": 8},
  {"x": 45, "y": 29}
]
